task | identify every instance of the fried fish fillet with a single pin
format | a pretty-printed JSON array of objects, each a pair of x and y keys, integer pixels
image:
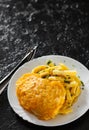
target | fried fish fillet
[{"x": 40, "y": 96}]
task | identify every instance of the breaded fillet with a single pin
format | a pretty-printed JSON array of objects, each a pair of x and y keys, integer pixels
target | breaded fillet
[{"x": 42, "y": 97}]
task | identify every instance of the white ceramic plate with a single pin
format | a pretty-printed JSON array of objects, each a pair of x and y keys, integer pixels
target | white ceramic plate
[{"x": 79, "y": 108}]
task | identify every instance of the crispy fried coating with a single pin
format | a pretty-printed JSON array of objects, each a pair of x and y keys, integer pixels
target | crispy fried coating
[{"x": 42, "y": 97}]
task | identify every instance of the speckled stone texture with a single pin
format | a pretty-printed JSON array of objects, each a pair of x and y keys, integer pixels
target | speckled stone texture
[
  {"x": 57, "y": 26},
  {"x": 61, "y": 24}
]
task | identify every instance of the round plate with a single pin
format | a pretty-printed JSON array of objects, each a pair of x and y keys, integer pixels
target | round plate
[{"x": 79, "y": 108}]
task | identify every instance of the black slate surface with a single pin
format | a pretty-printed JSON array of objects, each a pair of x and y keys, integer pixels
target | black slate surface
[{"x": 58, "y": 26}]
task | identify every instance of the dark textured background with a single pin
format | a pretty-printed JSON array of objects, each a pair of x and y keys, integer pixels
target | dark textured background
[{"x": 58, "y": 26}]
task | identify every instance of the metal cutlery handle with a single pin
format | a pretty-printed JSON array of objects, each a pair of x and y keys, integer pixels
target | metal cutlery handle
[{"x": 5, "y": 80}]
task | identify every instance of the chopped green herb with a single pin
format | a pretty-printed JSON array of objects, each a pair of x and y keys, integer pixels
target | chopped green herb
[
  {"x": 48, "y": 62},
  {"x": 66, "y": 81},
  {"x": 82, "y": 88},
  {"x": 45, "y": 76},
  {"x": 78, "y": 76},
  {"x": 82, "y": 83},
  {"x": 68, "y": 76},
  {"x": 54, "y": 64}
]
